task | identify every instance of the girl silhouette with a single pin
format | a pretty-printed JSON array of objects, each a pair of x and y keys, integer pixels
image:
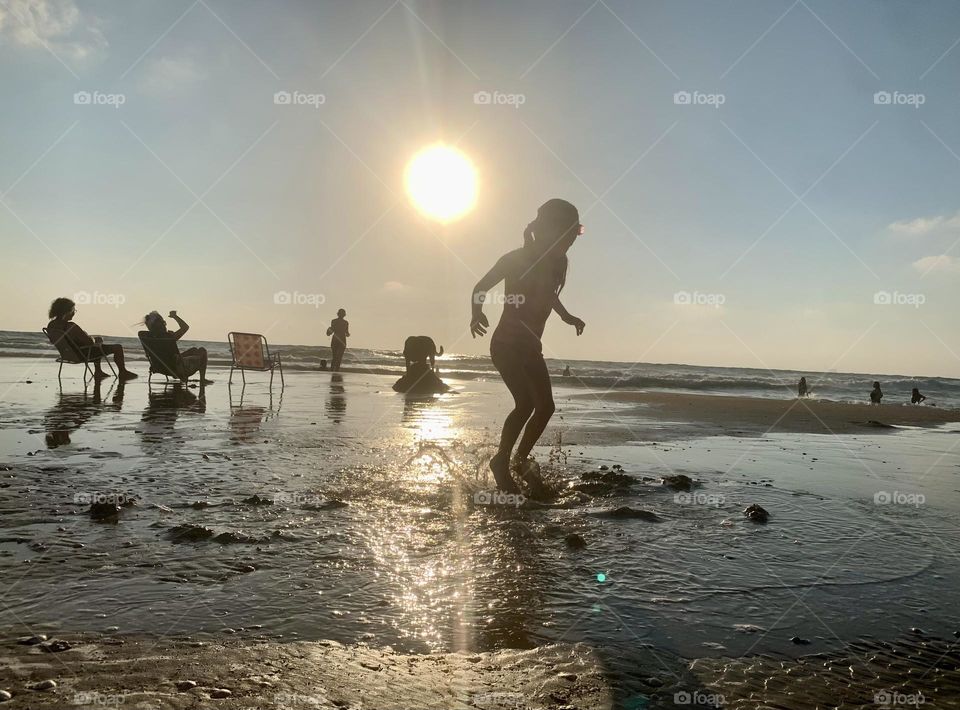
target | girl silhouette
[{"x": 534, "y": 275}]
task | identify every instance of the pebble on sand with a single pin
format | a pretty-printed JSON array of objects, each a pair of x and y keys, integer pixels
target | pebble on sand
[
  {"x": 184, "y": 685},
  {"x": 575, "y": 541},
  {"x": 220, "y": 693},
  {"x": 45, "y": 685},
  {"x": 32, "y": 640},
  {"x": 757, "y": 514},
  {"x": 5, "y": 695}
]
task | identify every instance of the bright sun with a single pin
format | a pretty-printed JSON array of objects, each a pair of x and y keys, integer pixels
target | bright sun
[{"x": 442, "y": 183}]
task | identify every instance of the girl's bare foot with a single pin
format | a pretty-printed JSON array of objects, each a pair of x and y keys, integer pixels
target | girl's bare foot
[
  {"x": 529, "y": 471},
  {"x": 99, "y": 375},
  {"x": 500, "y": 466},
  {"x": 127, "y": 375}
]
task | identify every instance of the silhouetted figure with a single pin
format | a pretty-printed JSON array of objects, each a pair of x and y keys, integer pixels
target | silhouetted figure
[
  {"x": 61, "y": 325},
  {"x": 876, "y": 395},
  {"x": 189, "y": 362},
  {"x": 419, "y": 354},
  {"x": 534, "y": 275},
  {"x": 802, "y": 389},
  {"x": 566, "y": 371},
  {"x": 916, "y": 397},
  {"x": 339, "y": 331}
]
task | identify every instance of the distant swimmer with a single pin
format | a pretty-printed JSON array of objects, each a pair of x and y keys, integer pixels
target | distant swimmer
[
  {"x": 534, "y": 276},
  {"x": 339, "y": 331},
  {"x": 566, "y": 371},
  {"x": 916, "y": 397},
  {"x": 802, "y": 389},
  {"x": 876, "y": 395}
]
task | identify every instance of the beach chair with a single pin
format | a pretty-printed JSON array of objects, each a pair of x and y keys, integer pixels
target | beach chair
[
  {"x": 250, "y": 351},
  {"x": 164, "y": 357},
  {"x": 72, "y": 354}
]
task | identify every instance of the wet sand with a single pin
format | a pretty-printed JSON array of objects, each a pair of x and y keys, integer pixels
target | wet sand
[
  {"x": 751, "y": 416},
  {"x": 342, "y": 513}
]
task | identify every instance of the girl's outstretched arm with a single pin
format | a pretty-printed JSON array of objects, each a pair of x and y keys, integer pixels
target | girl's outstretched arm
[
  {"x": 478, "y": 321},
  {"x": 566, "y": 317}
]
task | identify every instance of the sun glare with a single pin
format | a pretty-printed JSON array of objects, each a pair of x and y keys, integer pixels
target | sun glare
[{"x": 442, "y": 183}]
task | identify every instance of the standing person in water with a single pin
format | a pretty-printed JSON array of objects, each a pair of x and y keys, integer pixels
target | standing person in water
[
  {"x": 339, "y": 331},
  {"x": 534, "y": 275},
  {"x": 916, "y": 397},
  {"x": 875, "y": 394},
  {"x": 802, "y": 389}
]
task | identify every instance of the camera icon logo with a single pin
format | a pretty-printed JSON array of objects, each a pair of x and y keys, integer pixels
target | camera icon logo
[
  {"x": 282, "y": 98},
  {"x": 882, "y": 298},
  {"x": 82, "y": 98},
  {"x": 482, "y": 98},
  {"x": 682, "y": 298},
  {"x": 482, "y": 498},
  {"x": 283, "y": 298},
  {"x": 882, "y": 498},
  {"x": 682, "y": 98},
  {"x": 882, "y": 98}
]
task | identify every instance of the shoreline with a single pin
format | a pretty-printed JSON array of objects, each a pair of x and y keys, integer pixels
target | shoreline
[{"x": 752, "y": 416}]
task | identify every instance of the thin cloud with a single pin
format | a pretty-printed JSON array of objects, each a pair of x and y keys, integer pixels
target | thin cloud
[
  {"x": 943, "y": 263},
  {"x": 57, "y": 25},
  {"x": 170, "y": 75},
  {"x": 922, "y": 226}
]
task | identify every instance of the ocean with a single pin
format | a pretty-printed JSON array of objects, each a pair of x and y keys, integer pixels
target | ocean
[{"x": 590, "y": 374}]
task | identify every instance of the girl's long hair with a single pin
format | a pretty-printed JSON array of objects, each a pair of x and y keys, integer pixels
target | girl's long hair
[{"x": 555, "y": 219}]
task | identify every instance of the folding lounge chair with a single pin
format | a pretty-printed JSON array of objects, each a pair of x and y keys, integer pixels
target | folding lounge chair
[
  {"x": 164, "y": 357},
  {"x": 250, "y": 351},
  {"x": 73, "y": 354}
]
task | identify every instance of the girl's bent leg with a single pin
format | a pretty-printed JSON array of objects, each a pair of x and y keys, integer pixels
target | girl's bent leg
[{"x": 538, "y": 379}]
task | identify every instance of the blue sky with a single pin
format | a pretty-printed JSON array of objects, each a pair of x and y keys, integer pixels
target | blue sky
[{"x": 802, "y": 223}]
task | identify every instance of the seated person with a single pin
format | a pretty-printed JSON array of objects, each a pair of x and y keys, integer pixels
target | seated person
[
  {"x": 190, "y": 361},
  {"x": 61, "y": 325},
  {"x": 419, "y": 354},
  {"x": 916, "y": 397}
]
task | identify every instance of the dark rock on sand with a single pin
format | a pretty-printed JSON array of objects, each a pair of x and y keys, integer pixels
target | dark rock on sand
[
  {"x": 626, "y": 513},
  {"x": 44, "y": 685},
  {"x": 184, "y": 685},
  {"x": 757, "y": 514},
  {"x": 799, "y": 641},
  {"x": 575, "y": 541},
  {"x": 56, "y": 646},
  {"x": 190, "y": 533},
  {"x": 879, "y": 425},
  {"x": 679, "y": 482},
  {"x": 5, "y": 695},
  {"x": 32, "y": 640},
  {"x": 220, "y": 693},
  {"x": 105, "y": 510},
  {"x": 229, "y": 538},
  {"x": 257, "y": 500}
]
